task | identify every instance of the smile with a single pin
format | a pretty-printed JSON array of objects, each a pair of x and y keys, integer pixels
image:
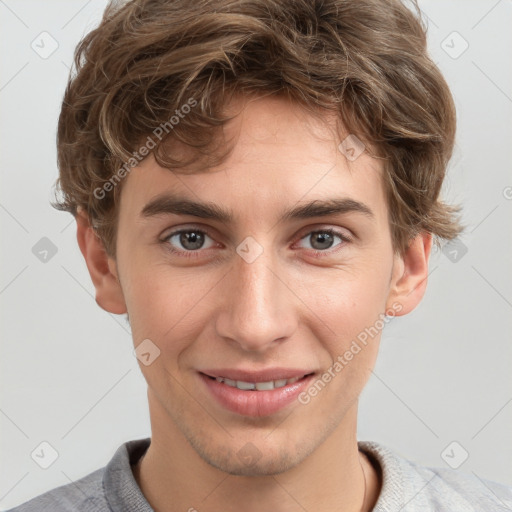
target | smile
[
  {"x": 258, "y": 386},
  {"x": 262, "y": 396}
]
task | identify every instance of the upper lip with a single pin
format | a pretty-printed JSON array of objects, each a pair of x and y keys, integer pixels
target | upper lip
[{"x": 257, "y": 376}]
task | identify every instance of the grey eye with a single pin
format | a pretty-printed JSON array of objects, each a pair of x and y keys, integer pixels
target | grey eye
[
  {"x": 188, "y": 240},
  {"x": 323, "y": 239}
]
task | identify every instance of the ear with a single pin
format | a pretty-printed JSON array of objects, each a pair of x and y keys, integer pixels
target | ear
[
  {"x": 409, "y": 276},
  {"x": 102, "y": 268}
]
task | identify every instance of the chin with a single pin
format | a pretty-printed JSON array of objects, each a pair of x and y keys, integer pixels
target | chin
[
  {"x": 265, "y": 466},
  {"x": 249, "y": 460}
]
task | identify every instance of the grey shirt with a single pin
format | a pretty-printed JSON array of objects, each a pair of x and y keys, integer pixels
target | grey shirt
[{"x": 406, "y": 487}]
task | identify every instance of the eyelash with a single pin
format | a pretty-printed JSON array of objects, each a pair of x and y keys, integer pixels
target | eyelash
[{"x": 196, "y": 253}]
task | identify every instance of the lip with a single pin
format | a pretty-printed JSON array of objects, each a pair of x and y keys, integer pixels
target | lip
[{"x": 255, "y": 403}]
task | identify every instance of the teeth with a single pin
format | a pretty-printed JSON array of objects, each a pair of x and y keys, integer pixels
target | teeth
[
  {"x": 260, "y": 386},
  {"x": 264, "y": 386},
  {"x": 279, "y": 383},
  {"x": 240, "y": 384}
]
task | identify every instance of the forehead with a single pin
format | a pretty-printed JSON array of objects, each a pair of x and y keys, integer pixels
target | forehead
[{"x": 281, "y": 155}]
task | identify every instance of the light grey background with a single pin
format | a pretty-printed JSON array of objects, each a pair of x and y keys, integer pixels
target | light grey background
[{"x": 68, "y": 373}]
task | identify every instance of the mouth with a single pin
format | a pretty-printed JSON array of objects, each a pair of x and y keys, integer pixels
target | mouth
[
  {"x": 255, "y": 394},
  {"x": 258, "y": 386}
]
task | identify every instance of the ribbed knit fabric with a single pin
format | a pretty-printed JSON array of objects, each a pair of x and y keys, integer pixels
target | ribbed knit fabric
[
  {"x": 406, "y": 487},
  {"x": 409, "y": 487}
]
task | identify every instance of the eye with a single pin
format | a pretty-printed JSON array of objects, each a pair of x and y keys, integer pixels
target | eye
[
  {"x": 188, "y": 240},
  {"x": 323, "y": 239}
]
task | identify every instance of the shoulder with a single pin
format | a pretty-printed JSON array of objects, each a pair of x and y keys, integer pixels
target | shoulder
[
  {"x": 459, "y": 490},
  {"x": 410, "y": 487},
  {"x": 85, "y": 494},
  {"x": 112, "y": 486}
]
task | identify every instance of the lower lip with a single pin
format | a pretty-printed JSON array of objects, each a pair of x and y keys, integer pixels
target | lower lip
[{"x": 255, "y": 403}]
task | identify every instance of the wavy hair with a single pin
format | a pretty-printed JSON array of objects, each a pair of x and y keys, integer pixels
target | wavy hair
[{"x": 364, "y": 60}]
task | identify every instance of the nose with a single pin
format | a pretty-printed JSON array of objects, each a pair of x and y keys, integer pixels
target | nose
[{"x": 258, "y": 309}]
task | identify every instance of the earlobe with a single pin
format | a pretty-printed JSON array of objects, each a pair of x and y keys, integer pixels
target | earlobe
[
  {"x": 409, "y": 280},
  {"x": 102, "y": 268}
]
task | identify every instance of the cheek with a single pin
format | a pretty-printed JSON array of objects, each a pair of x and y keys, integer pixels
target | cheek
[
  {"x": 350, "y": 317},
  {"x": 346, "y": 308},
  {"x": 166, "y": 306},
  {"x": 347, "y": 298}
]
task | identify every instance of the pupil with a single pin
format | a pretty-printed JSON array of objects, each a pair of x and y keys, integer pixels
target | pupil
[
  {"x": 324, "y": 239},
  {"x": 192, "y": 240}
]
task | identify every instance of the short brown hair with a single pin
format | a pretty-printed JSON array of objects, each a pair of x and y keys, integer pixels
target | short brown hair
[{"x": 365, "y": 60}]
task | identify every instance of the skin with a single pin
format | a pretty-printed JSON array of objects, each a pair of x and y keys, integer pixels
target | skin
[{"x": 287, "y": 308}]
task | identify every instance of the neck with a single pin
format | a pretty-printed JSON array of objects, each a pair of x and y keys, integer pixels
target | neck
[{"x": 336, "y": 476}]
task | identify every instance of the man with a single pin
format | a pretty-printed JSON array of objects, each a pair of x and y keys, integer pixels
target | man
[{"x": 256, "y": 184}]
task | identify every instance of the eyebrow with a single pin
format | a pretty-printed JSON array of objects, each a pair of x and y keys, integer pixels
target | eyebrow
[{"x": 167, "y": 204}]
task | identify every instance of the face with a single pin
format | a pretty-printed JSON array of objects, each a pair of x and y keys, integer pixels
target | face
[{"x": 259, "y": 289}]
